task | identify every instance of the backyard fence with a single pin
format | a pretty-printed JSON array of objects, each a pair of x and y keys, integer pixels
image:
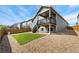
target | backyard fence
[
  {"x": 2, "y": 33},
  {"x": 13, "y": 30},
  {"x": 69, "y": 28},
  {"x": 76, "y": 27}
]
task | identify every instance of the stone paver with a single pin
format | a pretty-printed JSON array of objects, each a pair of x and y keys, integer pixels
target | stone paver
[
  {"x": 56, "y": 42},
  {"x": 14, "y": 44}
]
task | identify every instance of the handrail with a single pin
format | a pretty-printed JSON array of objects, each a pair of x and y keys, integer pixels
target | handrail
[{"x": 44, "y": 21}]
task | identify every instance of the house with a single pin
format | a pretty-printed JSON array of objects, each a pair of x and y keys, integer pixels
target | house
[
  {"x": 23, "y": 24},
  {"x": 46, "y": 20},
  {"x": 14, "y": 26},
  {"x": 26, "y": 24}
]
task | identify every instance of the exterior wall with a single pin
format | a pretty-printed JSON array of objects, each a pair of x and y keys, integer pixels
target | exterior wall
[
  {"x": 14, "y": 26},
  {"x": 34, "y": 23},
  {"x": 44, "y": 31},
  {"x": 24, "y": 25},
  {"x": 40, "y": 17},
  {"x": 43, "y": 20},
  {"x": 18, "y": 26},
  {"x": 53, "y": 20},
  {"x": 43, "y": 10},
  {"x": 29, "y": 23},
  {"x": 60, "y": 24}
]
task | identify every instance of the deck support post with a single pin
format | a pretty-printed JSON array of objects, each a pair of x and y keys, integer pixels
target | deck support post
[
  {"x": 37, "y": 22},
  {"x": 49, "y": 20}
]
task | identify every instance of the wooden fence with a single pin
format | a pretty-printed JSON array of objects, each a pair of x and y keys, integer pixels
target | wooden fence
[
  {"x": 13, "y": 31},
  {"x": 2, "y": 33},
  {"x": 76, "y": 27},
  {"x": 73, "y": 28},
  {"x": 70, "y": 28}
]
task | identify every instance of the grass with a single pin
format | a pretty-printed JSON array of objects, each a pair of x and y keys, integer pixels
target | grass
[{"x": 26, "y": 37}]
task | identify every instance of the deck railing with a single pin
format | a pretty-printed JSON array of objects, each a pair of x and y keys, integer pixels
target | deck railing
[{"x": 46, "y": 21}]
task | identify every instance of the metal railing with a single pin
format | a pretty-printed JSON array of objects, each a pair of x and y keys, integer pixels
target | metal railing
[{"x": 46, "y": 21}]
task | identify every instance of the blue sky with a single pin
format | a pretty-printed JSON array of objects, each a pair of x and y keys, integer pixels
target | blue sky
[{"x": 10, "y": 14}]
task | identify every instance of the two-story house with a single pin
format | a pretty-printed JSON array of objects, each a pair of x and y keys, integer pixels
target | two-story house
[{"x": 46, "y": 20}]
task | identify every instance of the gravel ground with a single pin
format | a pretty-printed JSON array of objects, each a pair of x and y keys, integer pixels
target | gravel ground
[{"x": 61, "y": 42}]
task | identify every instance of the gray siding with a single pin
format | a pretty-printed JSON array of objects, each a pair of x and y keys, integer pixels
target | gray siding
[{"x": 60, "y": 23}]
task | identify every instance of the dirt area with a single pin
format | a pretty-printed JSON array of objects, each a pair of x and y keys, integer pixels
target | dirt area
[
  {"x": 5, "y": 45},
  {"x": 61, "y": 42}
]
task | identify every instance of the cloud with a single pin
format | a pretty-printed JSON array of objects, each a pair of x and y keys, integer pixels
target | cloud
[
  {"x": 17, "y": 13},
  {"x": 9, "y": 16},
  {"x": 73, "y": 6},
  {"x": 72, "y": 18},
  {"x": 23, "y": 12},
  {"x": 71, "y": 15},
  {"x": 5, "y": 17}
]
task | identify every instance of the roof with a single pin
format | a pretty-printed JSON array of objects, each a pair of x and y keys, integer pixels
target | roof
[
  {"x": 39, "y": 11},
  {"x": 26, "y": 21},
  {"x": 22, "y": 22},
  {"x": 52, "y": 9}
]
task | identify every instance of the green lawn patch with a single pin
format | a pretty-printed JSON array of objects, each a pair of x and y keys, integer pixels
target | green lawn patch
[{"x": 26, "y": 37}]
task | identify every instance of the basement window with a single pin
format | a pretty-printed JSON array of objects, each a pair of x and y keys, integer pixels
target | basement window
[{"x": 42, "y": 29}]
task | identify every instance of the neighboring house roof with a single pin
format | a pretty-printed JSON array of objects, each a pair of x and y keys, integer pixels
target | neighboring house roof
[
  {"x": 52, "y": 9},
  {"x": 21, "y": 22},
  {"x": 26, "y": 21}
]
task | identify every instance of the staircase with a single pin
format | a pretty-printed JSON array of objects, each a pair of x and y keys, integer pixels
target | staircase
[
  {"x": 38, "y": 23},
  {"x": 35, "y": 26}
]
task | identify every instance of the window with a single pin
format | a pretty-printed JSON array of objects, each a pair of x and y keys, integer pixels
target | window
[
  {"x": 51, "y": 29},
  {"x": 42, "y": 29}
]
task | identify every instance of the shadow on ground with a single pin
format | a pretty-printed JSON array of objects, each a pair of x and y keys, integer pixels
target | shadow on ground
[
  {"x": 68, "y": 32},
  {"x": 5, "y": 45}
]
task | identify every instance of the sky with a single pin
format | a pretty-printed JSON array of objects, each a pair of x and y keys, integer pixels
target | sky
[{"x": 11, "y": 14}]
